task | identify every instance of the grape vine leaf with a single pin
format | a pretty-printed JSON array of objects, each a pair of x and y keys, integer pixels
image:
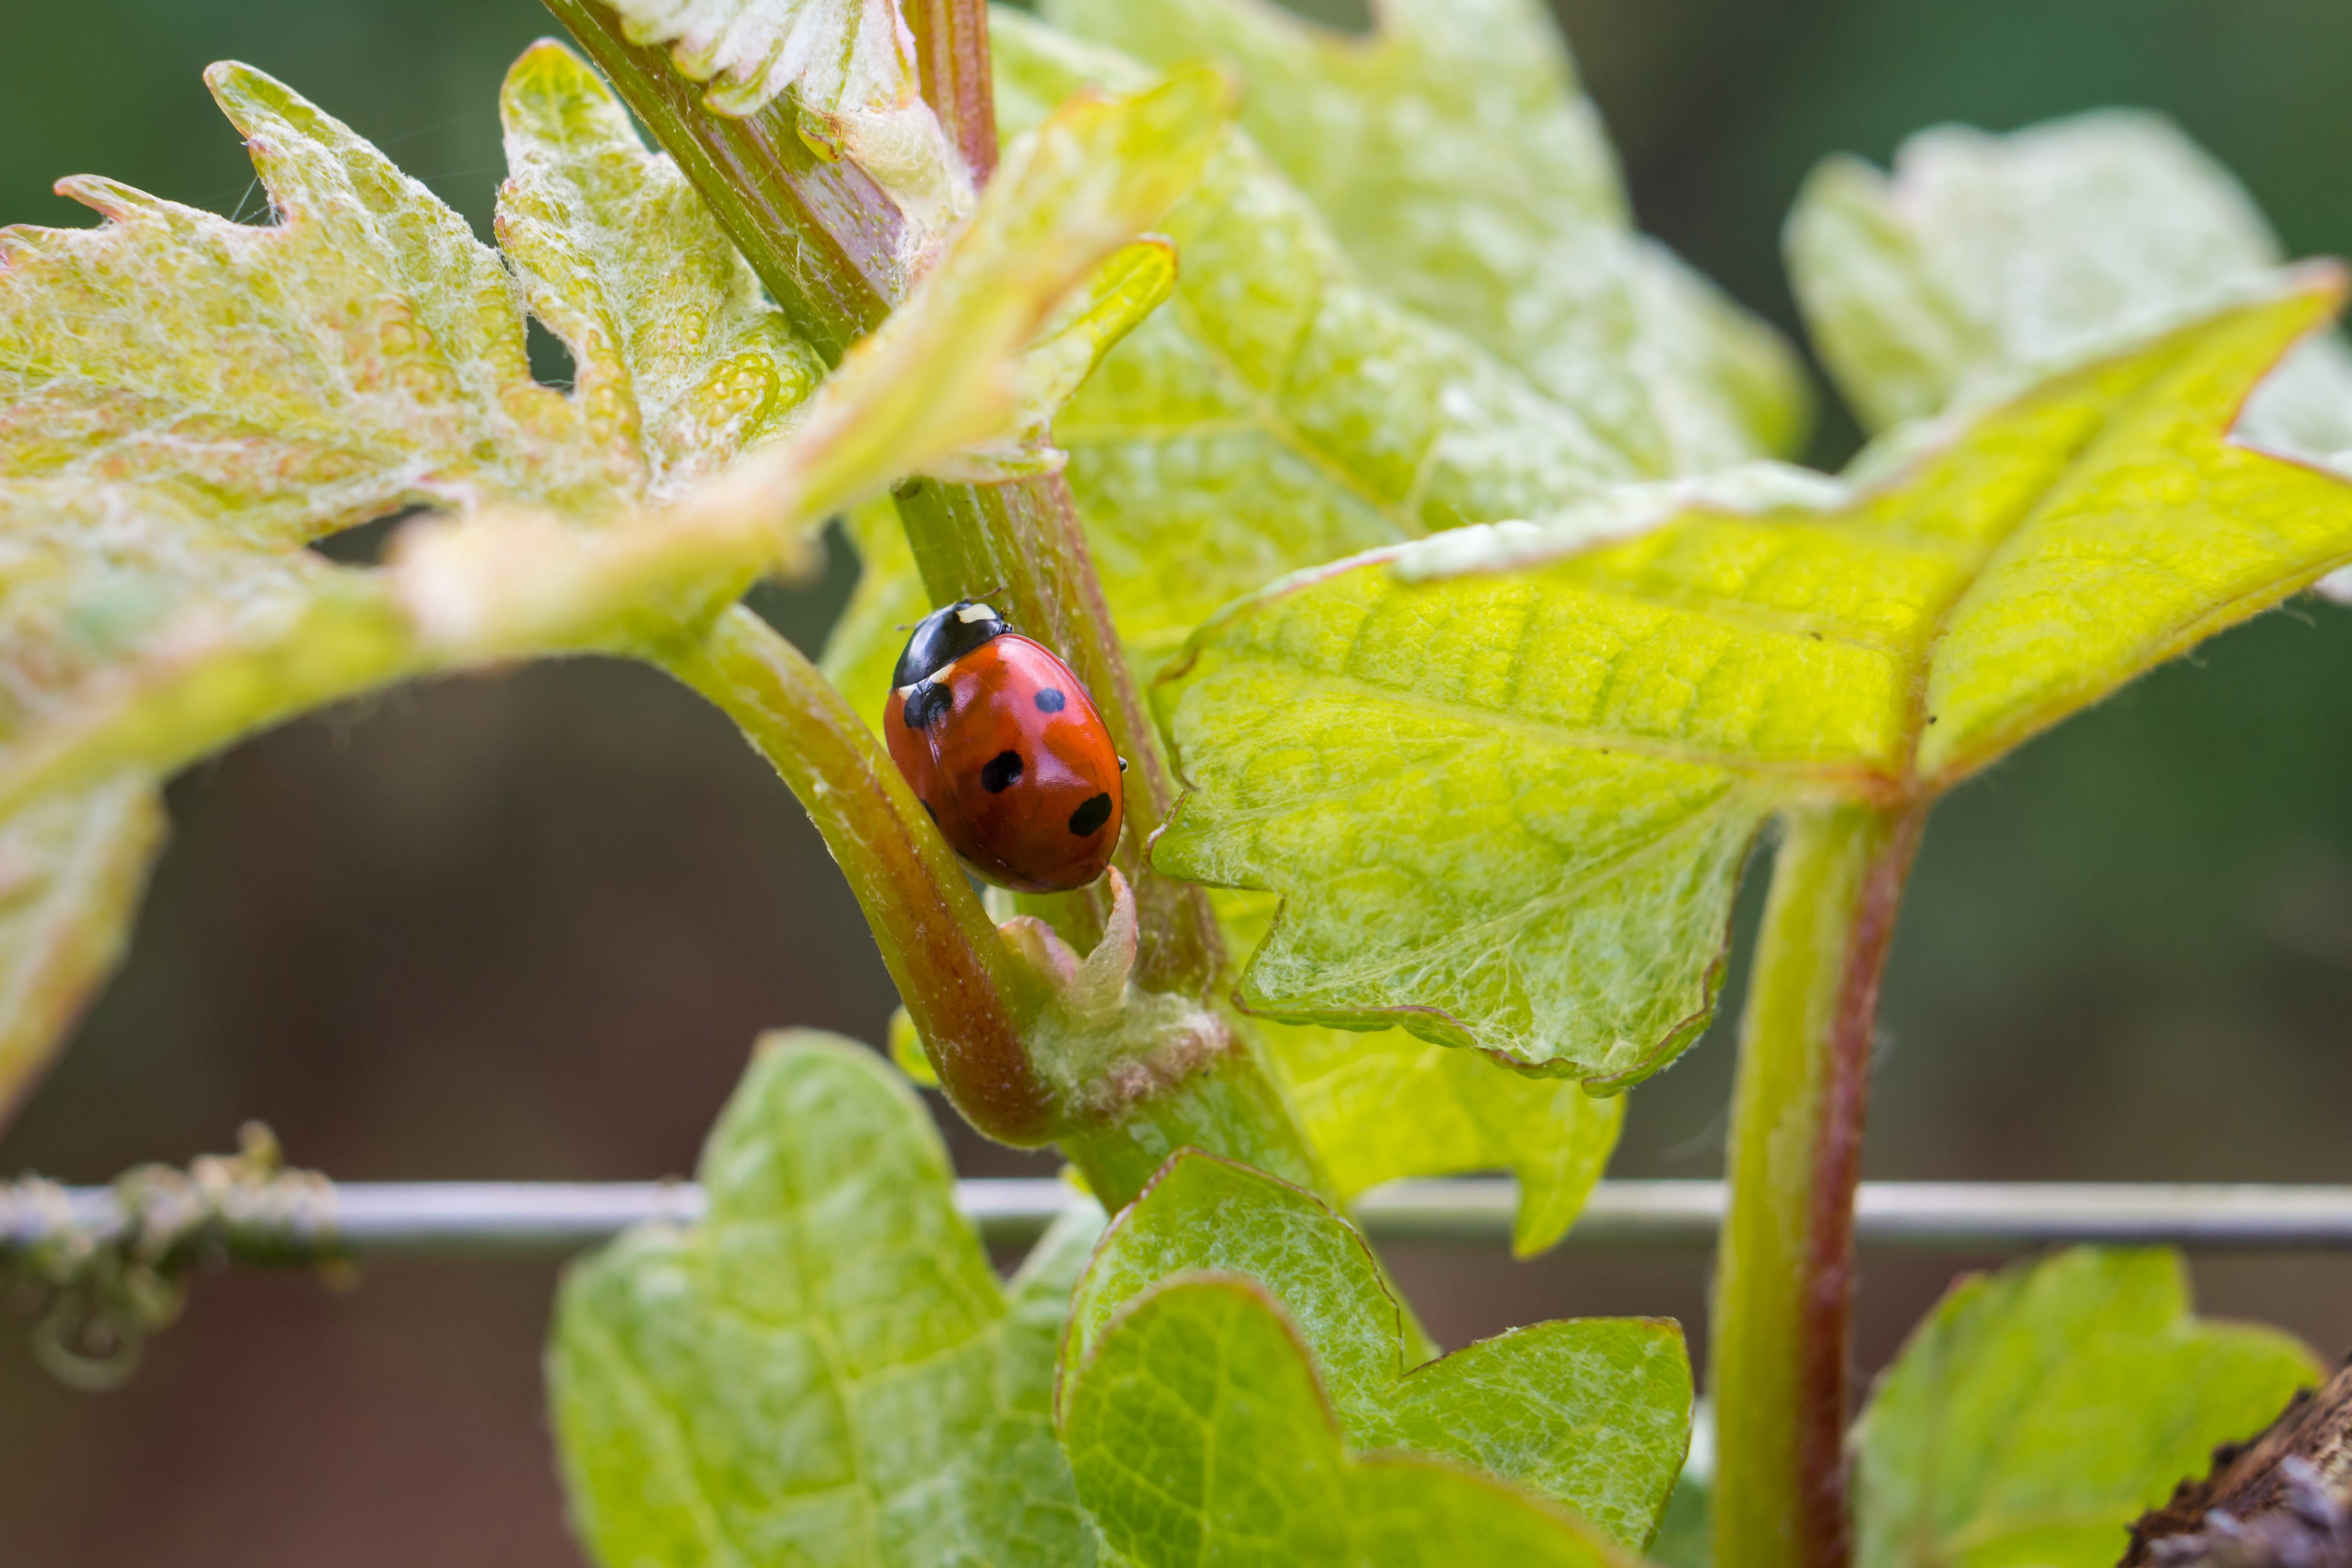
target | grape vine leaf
[
  {"x": 1383, "y": 1105},
  {"x": 1200, "y": 1438},
  {"x": 825, "y": 1369},
  {"x": 1504, "y": 779},
  {"x": 1591, "y": 1413},
  {"x": 71, "y": 867},
  {"x": 2036, "y": 1412},
  {"x": 191, "y": 400},
  {"x": 1983, "y": 257},
  {"x": 186, "y": 402},
  {"x": 1462, "y": 170}
]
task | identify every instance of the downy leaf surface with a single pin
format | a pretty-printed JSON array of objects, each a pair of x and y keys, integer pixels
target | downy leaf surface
[
  {"x": 825, "y": 1369},
  {"x": 1504, "y": 779},
  {"x": 1591, "y": 1413},
  {"x": 2038, "y": 1411},
  {"x": 191, "y": 400},
  {"x": 1278, "y": 411},
  {"x": 1469, "y": 180},
  {"x": 1981, "y": 258},
  {"x": 1200, "y": 1438},
  {"x": 186, "y": 402}
]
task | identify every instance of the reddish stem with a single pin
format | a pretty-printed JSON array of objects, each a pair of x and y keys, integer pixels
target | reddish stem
[
  {"x": 822, "y": 235},
  {"x": 1826, "y": 1336},
  {"x": 952, "y": 54}
]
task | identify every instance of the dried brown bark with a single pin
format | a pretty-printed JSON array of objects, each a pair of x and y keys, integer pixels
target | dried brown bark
[{"x": 2282, "y": 1500}]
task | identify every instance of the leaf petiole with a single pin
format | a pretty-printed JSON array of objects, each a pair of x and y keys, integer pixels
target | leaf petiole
[{"x": 1784, "y": 1273}]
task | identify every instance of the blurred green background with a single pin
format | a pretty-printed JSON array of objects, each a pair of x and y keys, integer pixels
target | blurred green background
[{"x": 527, "y": 926}]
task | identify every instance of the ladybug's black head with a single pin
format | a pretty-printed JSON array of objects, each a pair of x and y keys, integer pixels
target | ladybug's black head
[{"x": 943, "y": 636}]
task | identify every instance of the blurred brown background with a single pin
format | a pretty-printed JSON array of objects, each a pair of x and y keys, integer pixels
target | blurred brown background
[{"x": 527, "y": 926}]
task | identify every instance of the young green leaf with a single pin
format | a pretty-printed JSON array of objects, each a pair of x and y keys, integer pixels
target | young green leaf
[
  {"x": 1506, "y": 810},
  {"x": 1984, "y": 257},
  {"x": 1384, "y": 1105},
  {"x": 2039, "y": 1410},
  {"x": 1454, "y": 159},
  {"x": 193, "y": 400},
  {"x": 1593, "y": 1414},
  {"x": 71, "y": 868},
  {"x": 681, "y": 361},
  {"x": 1200, "y": 1438},
  {"x": 190, "y": 401},
  {"x": 825, "y": 1369}
]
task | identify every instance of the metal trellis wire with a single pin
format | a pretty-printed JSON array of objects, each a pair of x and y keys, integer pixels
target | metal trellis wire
[{"x": 519, "y": 1219}]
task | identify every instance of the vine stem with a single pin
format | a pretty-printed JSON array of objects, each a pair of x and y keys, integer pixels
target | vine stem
[
  {"x": 969, "y": 996},
  {"x": 829, "y": 245},
  {"x": 1785, "y": 1272}
]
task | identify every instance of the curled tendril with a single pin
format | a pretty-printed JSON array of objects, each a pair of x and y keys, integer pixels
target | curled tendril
[{"x": 101, "y": 1282}]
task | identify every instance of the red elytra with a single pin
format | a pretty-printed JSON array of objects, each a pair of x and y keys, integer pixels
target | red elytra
[{"x": 1006, "y": 751}]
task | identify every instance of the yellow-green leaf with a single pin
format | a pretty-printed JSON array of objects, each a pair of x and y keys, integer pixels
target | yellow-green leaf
[
  {"x": 71, "y": 869},
  {"x": 1983, "y": 257},
  {"x": 186, "y": 402},
  {"x": 1507, "y": 809},
  {"x": 1459, "y": 166},
  {"x": 1276, "y": 412},
  {"x": 2038, "y": 1411},
  {"x": 1592, "y": 1413},
  {"x": 1384, "y": 1105},
  {"x": 825, "y": 1369},
  {"x": 1200, "y": 1438}
]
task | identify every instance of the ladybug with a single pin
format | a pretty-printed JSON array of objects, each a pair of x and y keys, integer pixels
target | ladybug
[{"x": 1005, "y": 751}]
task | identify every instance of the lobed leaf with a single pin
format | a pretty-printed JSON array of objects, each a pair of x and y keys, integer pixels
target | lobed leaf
[
  {"x": 2038, "y": 1411},
  {"x": 1199, "y": 1437},
  {"x": 186, "y": 402},
  {"x": 825, "y": 1369},
  {"x": 1985, "y": 256},
  {"x": 1457, "y": 164},
  {"x": 190, "y": 401},
  {"x": 1505, "y": 781},
  {"x": 1592, "y": 1414},
  {"x": 71, "y": 868},
  {"x": 1383, "y": 1105}
]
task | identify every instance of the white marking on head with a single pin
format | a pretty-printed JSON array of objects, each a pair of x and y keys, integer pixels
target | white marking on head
[{"x": 971, "y": 612}]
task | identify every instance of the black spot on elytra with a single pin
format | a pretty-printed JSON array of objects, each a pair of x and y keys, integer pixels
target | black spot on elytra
[
  {"x": 1050, "y": 700},
  {"x": 1090, "y": 815},
  {"x": 1001, "y": 772},
  {"x": 928, "y": 704}
]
